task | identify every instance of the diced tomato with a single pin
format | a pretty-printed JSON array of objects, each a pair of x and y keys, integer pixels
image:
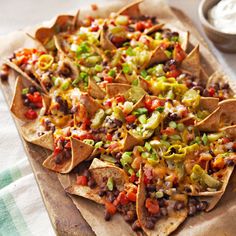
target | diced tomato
[
  {"x": 178, "y": 53},
  {"x": 140, "y": 26},
  {"x": 68, "y": 145},
  {"x": 148, "y": 24},
  {"x": 94, "y": 28},
  {"x": 148, "y": 103},
  {"x": 108, "y": 79},
  {"x": 211, "y": 92},
  {"x": 152, "y": 206},
  {"x": 31, "y": 114},
  {"x": 173, "y": 73},
  {"x": 56, "y": 151},
  {"x": 130, "y": 119},
  {"x": 122, "y": 199},
  {"x": 133, "y": 178},
  {"x": 131, "y": 195},
  {"x": 109, "y": 137},
  {"x": 82, "y": 180},
  {"x": 156, "y": 103},
  {"x": 234, "y": 147},
  {"x": 110, "y": 207},
  {"x": 168, "y": 131},
  {"x": 146, "y": 180},
  {"x": 85, "y": 123},
  {"x": 120, "y": 98},
  {"x": 184, "y": 113},
  {"x": 85, "y": 136},
  {"x": 108, "y": 103},
  {"x": 35, "y": 98}
]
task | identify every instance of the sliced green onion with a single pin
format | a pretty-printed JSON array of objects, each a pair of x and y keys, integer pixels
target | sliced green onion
[
  {"x": 144, "y": 73},
  {"x": 173, "y": 125},
  {"x": 140, "y": 111},
  {"x": 98, "y": 144},
  {"x": 65, "y": 85},
  {"x": 180, "y": 126},
  {"x": 148, "y": 146},
  {"x": 112, "y": 73},
  {"x": 25, "y": 91},
  {"x": 89, "y": 141},
  {"x": 98, "y": 68},
  {"x": 204, "y": 139},
  {"x": 110, "y": 183}
]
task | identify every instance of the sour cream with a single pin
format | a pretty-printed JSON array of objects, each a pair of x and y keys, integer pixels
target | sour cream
[{"x": 223, "y": 16}]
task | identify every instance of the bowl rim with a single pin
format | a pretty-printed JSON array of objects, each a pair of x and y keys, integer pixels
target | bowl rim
[{"x": 204, "y": 20}]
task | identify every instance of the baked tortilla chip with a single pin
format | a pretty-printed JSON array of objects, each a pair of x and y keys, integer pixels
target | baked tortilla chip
[
  {"x": 80, "y": 151},
  {"x": 17, "y": 106},
  {"x": 157, "y": 56},
  {"x": 114, "y": 89},
  {"x": 216, "y": 196},
  {"x": 191, "y": 63},
  {"x": 94, "y": 90},
  {"x": 223, "y": 116},
  {"x": 209, "y": 103},
  {"x": 62, "y": 23},
  {"x": 105, "y": 42},
  {"x": 29, "y": 132},
  {"x": 230, "y": 131},
  {"x": 153, "y": 29},
  {"x": 90, "y": 104},
  {"x": 132, "y": 10},
  {"x": 100, "y": 170},
  {"x": 163, "y": 226},
  {"x": 130, "y": 141}
]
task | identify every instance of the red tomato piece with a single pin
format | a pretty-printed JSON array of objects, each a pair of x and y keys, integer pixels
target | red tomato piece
[
  {"x": 108, "y": 79},
  {"x": 120, "y": 98},
  {"x": 110, "y": 207},
  {"x": 211, "y": 92},
  {"x": 31, "y": 114},
  {"x": 122, "y": 199},
  {"x": 130, "y": 118},
  {"x": 82, "y": 180},
  {"x": 152, "y": 206},
  {"x": 109, "y": 137},
  {"x": 148, "y": 103},
  {"x": 178, "y": 53},
  {"x": 225, "y": 140},
  {"x": 140, "y": 26},
  {"x": 131, "y": 196},
  {"x": 168, "y": 131},
  {"x": 173, "y": 73}
]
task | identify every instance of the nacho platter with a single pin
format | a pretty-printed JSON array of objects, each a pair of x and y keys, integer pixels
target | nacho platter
[{"x": 131, "y": 143}]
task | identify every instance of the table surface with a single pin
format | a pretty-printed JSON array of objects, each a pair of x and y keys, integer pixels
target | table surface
[{"x": 16, "y": 15}]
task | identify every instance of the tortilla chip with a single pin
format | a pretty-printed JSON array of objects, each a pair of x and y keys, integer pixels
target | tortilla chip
[
  {"x": 29, "y": 132},
  {"x": 80, "y": 152},
  {"x": 212, "y": 201},
  {"x": 90, "y": 104},
  {"x": 105, "y": 42},
  {"x": 163, "y": 226},
  {"x": 121, "y": 79},
  {"x": 223, "y": 116},
  {"x": 209, "y": 103},
  {"x": 94, "y": 90},
  {"x": 114, "y": 89},
  {"x": 100, "y": 170},
  {"x": 184, "y": 39},
  {"x": 22, "y": 73},
  {"x": 76, "y": 23},
  {"x": 230, "y": 131},
  {"x": 132, "y": 10},
  {"x": 130, "y": 141},
  {"x": 157, "y": 56},
  {"x": 153, "y": 29},
  {"x": 192, "y": 62},
  {"x": 62, "y": 23}
]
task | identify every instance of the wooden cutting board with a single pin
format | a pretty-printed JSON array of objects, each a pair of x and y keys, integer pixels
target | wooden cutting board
[{"x": 64, "y": 216}]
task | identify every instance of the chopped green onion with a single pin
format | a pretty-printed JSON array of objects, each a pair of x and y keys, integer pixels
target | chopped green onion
[
  {"x": 168, "y": 53},
  {"x": 173, "y": 125},
  {"x": 158, "y": 36},
  {"x": 98, "y": 144},
  {"x": 110, "y": 183},
  {"x": 89, "y": 141},
  {"x": 140, "y": 111},
  {"x": 142, "y": 119},
  {"x": 98, "y": 68},
  {"x": 204, "y": 139},
  {"x": 25, "y": 91},
  {"x": 144, "y": 73},
  {"x": 145, "y": 155},
  {"x": 148, "y": 146},
  {"x": 130, "y": 52},
  {"x": 160, "y": 109},
  {"x": 112, "y": 73},
  {"x": 180, "y": 126},
  {"x": 126, "y": 158},
  {"x": 65, "y": 85},
  {"x": 76, "y": 81},
  {"x": 131, "y": 171},
  {"x": 126, "y": 68},
  {"x": 159, "y": 194}
]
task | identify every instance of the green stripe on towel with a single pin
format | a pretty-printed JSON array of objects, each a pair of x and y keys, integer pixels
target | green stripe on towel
[{"x": 8, "y": 176}]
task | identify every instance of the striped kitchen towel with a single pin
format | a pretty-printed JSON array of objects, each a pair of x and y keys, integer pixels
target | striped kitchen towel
[{"x": 21, "y": 208}]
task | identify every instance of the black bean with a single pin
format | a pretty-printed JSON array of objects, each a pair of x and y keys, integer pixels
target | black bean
[
  {"x": 116, "y": 192},
  {"x": 107, "y": 215},
  {"x": 149, "y": 224},
  {"x": 131, "y": 126},
  {"x": 199, "y": 88},
  {"x": 59, "y": 158},
  {"x": 205, "y": 93},
  {"x": 151, "y": 188},
  {"x": 130, "y": 28},
  {"x": 136, "y": 226},
  {"x": 161, "y": 202},
  {"x": 26, "y": 102},
  {"x": 32, "y": 89},
  {"x": 225, "y": 86},
  {"x": 230, "y": 163},
  {"x": 118, "y": 155},
  {"x": 92, "y": 183},
  {"x": 101, "y": 193},
  {"x": 187, "y": 189},
  {"x": 4, "y": 75},
  {"x": 201, "y": 206},
  {"x": 179, "y": 205},
  {"x": 40, "y": 133},
  {"x": 172, "y": 116},
  {"x": 193, "y": 201},
  {"x": 192, "y": 210},
  {"x": 67, "y": 154},
  {"x": 129, "y": 216},
  {"x": 216, "y": 86},
  {"x": 52, "y": 128},
  {"x": 212, "y": 153},
  {"x": 154, "y": 20}
]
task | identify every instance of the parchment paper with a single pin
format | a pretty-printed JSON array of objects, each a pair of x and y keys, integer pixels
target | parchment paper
[{"x": 219, "y": 222}]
